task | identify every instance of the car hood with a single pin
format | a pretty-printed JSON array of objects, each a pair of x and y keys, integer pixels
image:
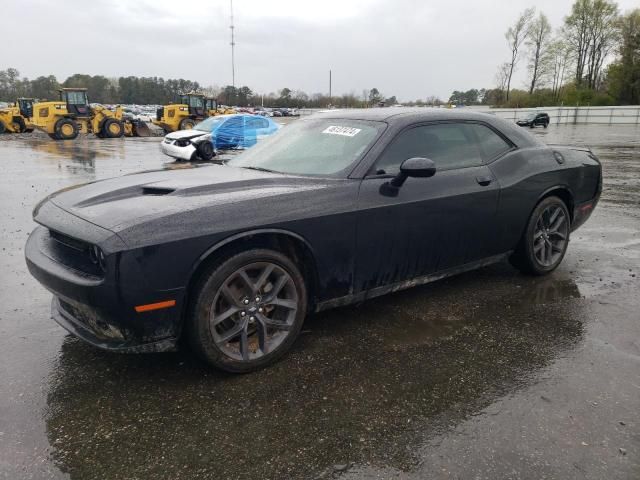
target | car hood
[
  {"x": 213, "y": 192},
  {"x": 192, "y": 133}
]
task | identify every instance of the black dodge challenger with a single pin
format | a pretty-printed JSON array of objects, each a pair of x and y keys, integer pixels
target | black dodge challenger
[{"x": 335, "y": 209}]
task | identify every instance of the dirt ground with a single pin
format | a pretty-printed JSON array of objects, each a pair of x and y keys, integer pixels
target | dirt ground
[{"x": 487, "y": 375}]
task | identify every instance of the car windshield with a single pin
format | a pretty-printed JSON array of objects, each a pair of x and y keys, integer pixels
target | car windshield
[
  {"x": 531, "y": 116},
  {"x": 211, "y": 122},
  {"x": 312, "y": 147}
]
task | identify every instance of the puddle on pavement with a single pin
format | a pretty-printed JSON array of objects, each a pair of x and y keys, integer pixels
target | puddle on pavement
[{"x": 360, "y": 384}]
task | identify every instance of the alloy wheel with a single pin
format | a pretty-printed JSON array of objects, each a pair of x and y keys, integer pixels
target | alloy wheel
[
  {"x": 253, "y": 311},
  {"x": 550, "y": 236}
]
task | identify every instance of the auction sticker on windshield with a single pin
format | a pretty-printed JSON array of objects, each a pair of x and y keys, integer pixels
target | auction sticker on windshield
[{"x": 345, "y": 131}]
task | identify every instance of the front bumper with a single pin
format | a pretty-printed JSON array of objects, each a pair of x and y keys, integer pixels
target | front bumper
[
  {"x": 101, "y": 310},
  {"x": 88, "y": 325},
  {"x": 181, "y": 153}
]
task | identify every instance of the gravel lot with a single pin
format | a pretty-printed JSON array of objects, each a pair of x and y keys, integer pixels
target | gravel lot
[{"x": 487, "y": 375}]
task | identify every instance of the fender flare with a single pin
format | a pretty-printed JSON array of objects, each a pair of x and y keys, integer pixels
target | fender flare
[
  {"x": 564, "y": 187},
  {"x": 245, "y": 234}
]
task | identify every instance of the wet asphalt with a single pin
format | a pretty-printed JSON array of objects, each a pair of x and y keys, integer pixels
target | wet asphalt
[{"x": 488, "y": 375}]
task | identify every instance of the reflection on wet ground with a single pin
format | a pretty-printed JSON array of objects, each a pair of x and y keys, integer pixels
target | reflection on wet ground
[
  {"x": 490, "y": 374},
  {"x": 361, "y": 385}
]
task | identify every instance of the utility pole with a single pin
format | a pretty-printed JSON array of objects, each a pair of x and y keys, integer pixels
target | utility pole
[
  {"x": 330, "y": 101},
  {"x": 233, "y": 44}
]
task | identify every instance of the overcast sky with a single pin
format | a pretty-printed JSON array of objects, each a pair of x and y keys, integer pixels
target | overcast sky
[{"x": 408, "y": 48}]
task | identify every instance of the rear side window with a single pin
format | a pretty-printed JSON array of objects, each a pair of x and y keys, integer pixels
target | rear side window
[
  {"x": 491, "y": 144},
  {"x": 449, "y": 145}
]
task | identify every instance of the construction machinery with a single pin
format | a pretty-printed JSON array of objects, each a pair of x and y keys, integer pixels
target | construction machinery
[
  {"x": 72, "y": 114},
  {"x": 16, "y": 118},
  {"x": 188, "y": 110}
]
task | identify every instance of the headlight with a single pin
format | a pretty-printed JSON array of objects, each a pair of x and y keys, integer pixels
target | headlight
[
  {"x": 97, "y": 257},
  {"x": 183, "y": 142}
]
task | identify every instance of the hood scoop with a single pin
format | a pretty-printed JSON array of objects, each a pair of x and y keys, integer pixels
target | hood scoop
[{"x": 153, "y": 190}]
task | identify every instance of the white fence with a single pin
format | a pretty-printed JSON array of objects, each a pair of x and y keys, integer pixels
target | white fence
[
  {"x": 618, "y": 115},
  {"x": 627, "y": 115}
]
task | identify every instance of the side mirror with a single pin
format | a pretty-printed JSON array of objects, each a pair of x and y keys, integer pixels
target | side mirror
[{"x": 414, "y": 167}]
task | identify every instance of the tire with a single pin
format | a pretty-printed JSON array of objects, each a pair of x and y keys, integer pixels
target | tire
[
  {"x": 546, "y": 124},
  {"x": 206, "y": 151},
  {"x": 3, "y": 127},
  {"x": 532, "y": 125},
  {"x": 247, "y": 321},
  {"x": 66, "y": 129},
  {"x": 187, "y": 124},
  {"x": 112, "y": 128},
  {"x": 21, "y": 127},
  {"x": 545, "y": 240}
]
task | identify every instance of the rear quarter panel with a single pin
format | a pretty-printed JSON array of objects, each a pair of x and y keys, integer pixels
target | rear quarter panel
[{"x": 527, "y": 175}]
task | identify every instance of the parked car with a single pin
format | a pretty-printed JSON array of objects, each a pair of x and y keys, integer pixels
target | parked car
[
  {"x": 192, "y": 143},
  {"x": 534, "y": 119},
  {"x": 222, "y": 132},
  {"x": 335, "y": 209}
]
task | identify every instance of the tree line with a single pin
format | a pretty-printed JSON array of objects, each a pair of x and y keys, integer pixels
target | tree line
[
  {"x": 141, "y": 90},
  {"x": 158, "y": 91},
  {"x": 568, "y": 65}
]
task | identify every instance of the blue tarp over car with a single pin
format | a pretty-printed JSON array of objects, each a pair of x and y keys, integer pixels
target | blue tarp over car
[{"x": 239, "y": 131}]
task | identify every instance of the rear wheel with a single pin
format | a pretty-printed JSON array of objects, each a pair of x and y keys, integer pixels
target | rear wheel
[
  {"x": 247, "y": 311},
  {"x": 112, "y": 128},
  {"x": 545, "y": 240},
  {"x": 546, "y": 124},
  {"x": 205, "y": 150},
  {"x": 66, "y": 129},
  {"x": 3, "y": 127},
  {"x": 187, "y": 124}
]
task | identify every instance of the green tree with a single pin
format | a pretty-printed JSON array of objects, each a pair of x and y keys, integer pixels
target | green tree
[
  {"x": 285, "y": 97},
  {"x": 592, "y": 32},
  {"x": 44, "y": 88},
  {"x": 374, "y": 97},
  {"x": 624, "y": 74}
]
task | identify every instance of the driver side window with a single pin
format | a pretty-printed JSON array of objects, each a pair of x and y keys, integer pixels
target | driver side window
[{"x": 449, "y": 145}]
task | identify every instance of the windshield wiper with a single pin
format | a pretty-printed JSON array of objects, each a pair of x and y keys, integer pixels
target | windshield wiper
[{"x": 260, "y": 169}]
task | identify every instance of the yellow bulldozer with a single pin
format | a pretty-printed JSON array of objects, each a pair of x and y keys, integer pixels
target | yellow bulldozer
[
  {"x": 16, "y": 118},
  {"x": 188, "y": 110},
  {"x": 72, "y": 114}
]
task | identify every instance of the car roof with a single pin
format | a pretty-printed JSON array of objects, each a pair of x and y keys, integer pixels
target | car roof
[
  {"x": 401, "y": 113},
  {"x": 403, "y": 116}
]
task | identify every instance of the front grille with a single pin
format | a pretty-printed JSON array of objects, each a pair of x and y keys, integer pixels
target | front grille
[
  {"x": 69, "y": 241},
  {"x": 72, "y": 253}
]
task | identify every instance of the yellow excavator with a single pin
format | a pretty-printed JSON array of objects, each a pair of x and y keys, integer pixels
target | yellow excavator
[
  {"x": 188, "y": 110},
  {"x": 16, "y": 118},
  {"x": 72, "y": 114}
]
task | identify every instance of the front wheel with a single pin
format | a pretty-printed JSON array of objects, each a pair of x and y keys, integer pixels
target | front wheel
[
  {"x": 247, "y": 311},
  {"x": 205, "y": 150},
  {"x": 545, "y": 240}
]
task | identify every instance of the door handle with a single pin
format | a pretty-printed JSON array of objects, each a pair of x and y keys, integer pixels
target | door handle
[{"x": 484, "y": 180}]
